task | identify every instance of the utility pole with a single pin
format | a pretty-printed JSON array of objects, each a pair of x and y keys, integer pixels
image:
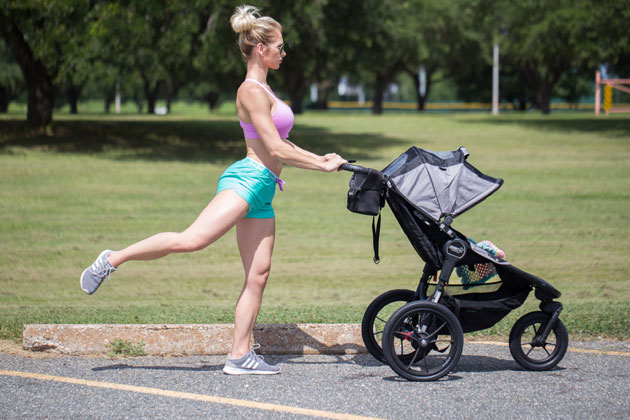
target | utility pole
[{"x": 495, "y": 78}]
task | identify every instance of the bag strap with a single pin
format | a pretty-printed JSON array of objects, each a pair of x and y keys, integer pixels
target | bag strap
[{"x": 376, "y": 233}]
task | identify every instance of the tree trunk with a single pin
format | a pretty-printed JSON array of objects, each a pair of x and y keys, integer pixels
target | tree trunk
[
  {"x": 5, "y": 99},
  {"x": 542, "y": 86},
  {"x": 212, "y": 98},
  {"x": 323, "y": 91},
  {"x": 379, "y": 88},
  {"x": 41, "y": 100},
  {"x": 297, "y": 89},
  {"x": 421, "y": 99},
  {"x": 150, "y": 93},
  {"x": 171, "y": 94},
  {"x": 295, "y": 84},
  {"x": 139, "y": 102},
  {"x": 41, "y": 92},
  {"x": 151, "y": 100},
  {"x": 543, "y": 98},
  {"x": 109, "y": 99},
  {"x": 73, "y": 94}
]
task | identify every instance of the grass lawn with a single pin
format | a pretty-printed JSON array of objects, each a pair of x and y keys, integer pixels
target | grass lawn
[{"x": 97, "y": 182}]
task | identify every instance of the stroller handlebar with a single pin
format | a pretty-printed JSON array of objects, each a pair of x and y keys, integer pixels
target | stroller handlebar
[{"x": 354, "y": 168}]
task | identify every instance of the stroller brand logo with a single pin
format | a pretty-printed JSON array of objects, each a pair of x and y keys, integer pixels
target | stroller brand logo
[{"x": 456, "y": 250}]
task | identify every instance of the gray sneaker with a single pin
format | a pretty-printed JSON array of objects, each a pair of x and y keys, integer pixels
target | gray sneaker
[
  {"x": 94, "y": 275},
  {"x": 250, "y": 364}
]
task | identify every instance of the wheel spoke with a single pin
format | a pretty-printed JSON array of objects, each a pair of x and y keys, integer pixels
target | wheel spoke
[
  {"x": 436, "y": 331},
  {"x": 414, "y": 358},
  {"x": 378, "y": 332},
  {"x": 382, "y": 320},
  {"x": 530, "y": 350},
  {"x": 546, "y": 351}
]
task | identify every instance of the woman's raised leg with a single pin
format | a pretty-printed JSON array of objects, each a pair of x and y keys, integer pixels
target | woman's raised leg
[
  {"x": 255, "y": 239},
  {"x": 214, "y": 221}
]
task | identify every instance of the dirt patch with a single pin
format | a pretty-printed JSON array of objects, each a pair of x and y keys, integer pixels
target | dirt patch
[{"x": 11, "y": 347}]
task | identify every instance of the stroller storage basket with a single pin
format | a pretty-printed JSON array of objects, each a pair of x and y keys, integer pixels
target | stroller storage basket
[{"x": 478, "y": 311}]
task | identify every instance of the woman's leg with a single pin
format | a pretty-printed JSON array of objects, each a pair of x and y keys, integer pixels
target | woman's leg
[
  {"x": 225, "y": 209},
  {"x": 255, "y": 239}
]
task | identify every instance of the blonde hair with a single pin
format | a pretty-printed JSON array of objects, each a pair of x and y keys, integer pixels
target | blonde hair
[{"x": 252, "y": 28}]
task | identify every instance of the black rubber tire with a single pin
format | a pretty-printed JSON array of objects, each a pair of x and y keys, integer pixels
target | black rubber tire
[
  {"x": 371, "y": 335},
  {"x": 441, "y": 326},
  {"x": 524, "y": 331}
]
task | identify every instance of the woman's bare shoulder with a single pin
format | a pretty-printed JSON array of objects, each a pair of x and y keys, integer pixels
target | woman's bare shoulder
[{"x": 251, "y": 95}]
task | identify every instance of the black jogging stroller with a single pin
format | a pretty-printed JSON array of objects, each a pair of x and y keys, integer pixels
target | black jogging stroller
[{"x": 421, "y": 338}]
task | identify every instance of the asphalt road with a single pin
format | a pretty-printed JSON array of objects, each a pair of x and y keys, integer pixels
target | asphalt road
[{"x": 486, "y": 384}]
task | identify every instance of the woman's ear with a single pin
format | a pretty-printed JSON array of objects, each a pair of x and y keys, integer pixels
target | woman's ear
[{"x": 260, "y": 48}]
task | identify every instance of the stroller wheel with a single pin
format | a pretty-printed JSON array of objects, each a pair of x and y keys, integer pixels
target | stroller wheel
[
  {"x": 431, "y": 344},
  {"x": 529, "y": 350},
  {"x": 376, "y": 316}
]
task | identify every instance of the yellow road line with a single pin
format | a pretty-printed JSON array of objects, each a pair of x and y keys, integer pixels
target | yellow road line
[
  {"x": 189, "y": 396},
  {"x": 571, "y": 349}
]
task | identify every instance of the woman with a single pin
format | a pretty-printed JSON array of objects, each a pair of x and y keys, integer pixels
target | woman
[{"x": 245, "y": 190}]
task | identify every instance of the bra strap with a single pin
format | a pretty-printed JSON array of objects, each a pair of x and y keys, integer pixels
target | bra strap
[{"x": 262, "y": 86}]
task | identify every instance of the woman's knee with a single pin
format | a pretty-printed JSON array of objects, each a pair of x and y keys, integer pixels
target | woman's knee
[
  {"x": 258, "y": 280},
  {"x": 189, "y": 243}
]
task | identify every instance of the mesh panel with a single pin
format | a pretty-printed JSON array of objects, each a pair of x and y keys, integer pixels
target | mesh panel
[{"x": 476, "y": 274}]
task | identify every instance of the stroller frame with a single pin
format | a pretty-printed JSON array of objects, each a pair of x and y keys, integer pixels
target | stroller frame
[{"x": 415, "y": 323}]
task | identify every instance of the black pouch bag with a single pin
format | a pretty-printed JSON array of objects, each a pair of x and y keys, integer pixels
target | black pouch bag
[{"x": 366, "y": 194}]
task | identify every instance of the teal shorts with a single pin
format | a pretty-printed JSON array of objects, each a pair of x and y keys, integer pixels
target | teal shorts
[{"x": 253, "y": 182}]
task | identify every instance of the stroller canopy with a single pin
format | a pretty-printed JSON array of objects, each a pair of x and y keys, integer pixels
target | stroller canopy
[{"x": 440, "y": 183}]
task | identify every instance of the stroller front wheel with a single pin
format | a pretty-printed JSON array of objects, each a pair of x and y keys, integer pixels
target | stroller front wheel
[
  {"x": 530, "y": 350},
  {"x": 423, "y": 341}
]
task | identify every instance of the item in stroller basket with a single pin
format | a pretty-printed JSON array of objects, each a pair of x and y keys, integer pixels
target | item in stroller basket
[{"x": 479, "y": 273}]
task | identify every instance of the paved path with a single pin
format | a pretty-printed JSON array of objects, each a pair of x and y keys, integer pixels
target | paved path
[{"x": 487, "y": 383}]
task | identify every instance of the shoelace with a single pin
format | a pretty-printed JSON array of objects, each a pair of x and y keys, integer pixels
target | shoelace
[
  {"x": 256, "y": 346},
  {"x": 101, "y": 269}
]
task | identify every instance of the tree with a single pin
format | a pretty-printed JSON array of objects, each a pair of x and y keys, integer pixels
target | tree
[
  {"x": 217, "y": 59},
  {"x": 306, "y": 39},
  {"x": 43, "y": 35},
  {"x": 156, "y": 38},
  {"x": 544, "y": 40},
  {"x": 446, "y": 40}
]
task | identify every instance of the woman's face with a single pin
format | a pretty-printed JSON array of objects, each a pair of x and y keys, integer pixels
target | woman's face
[{"x": 274, "y": 52}]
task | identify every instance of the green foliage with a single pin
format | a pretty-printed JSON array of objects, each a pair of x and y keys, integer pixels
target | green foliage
[
  {"x": 11, "y": 80},
  {"x": 159, "y": 48}
]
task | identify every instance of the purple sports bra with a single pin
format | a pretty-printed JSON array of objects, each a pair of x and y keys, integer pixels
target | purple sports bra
[{"x": 282, "y": 117}]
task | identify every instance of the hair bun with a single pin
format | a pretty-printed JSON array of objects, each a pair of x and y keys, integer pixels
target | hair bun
[{"x": 244, "y": 18}]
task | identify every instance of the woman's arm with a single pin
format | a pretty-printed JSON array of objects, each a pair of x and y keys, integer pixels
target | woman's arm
[{"x": 256, "y": 103}]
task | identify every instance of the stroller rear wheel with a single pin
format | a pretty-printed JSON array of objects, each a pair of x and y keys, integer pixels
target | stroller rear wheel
[
  {"x": 376, "y": 316},
  {"x": 530, "y": 350},
  {"x": 431, "y": 344}
]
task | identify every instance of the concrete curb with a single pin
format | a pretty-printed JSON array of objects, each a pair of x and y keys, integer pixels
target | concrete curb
[{"x": 193, "y": 339}]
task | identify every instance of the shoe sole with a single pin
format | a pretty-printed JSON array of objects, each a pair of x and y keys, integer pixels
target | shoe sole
[
  {"x": 81, "y": 282},
  {"x": 237, "y": 371}
]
